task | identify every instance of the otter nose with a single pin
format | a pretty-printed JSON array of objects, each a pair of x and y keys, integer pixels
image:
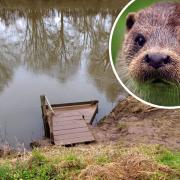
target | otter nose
[{"x": 157, "y": 60}]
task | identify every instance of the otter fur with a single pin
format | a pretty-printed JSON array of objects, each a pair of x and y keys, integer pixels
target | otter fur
[{"x": 149, "y": 62}]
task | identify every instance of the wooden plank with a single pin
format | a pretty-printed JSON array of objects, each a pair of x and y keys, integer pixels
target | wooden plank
[
  {"x": 63, "y": 123},
  {"x": 58, "y": 121},
  {"x": 66, "y": 119},
  {"x": 60, "y": 128},
  {"x": 70, "y": 118},
  {"x": 73, "y": 107},
  {"x": 72, "y": 126},
  {"x": 68, "y": 123},
  {"x": 74, "y": 141},
  {"x": 93, "y": 102},
  {"x": 74, "y": 112},
  {"x": 69, "y": 114},
  {"x": 72, "y": 136},
  {"x": 70, "y": 131},
  {"x": 87, "y": 120},
  {"x": 88, "y": 113}
]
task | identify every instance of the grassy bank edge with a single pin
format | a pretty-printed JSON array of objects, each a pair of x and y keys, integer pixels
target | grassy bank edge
[{"x": 94, "y": 161}]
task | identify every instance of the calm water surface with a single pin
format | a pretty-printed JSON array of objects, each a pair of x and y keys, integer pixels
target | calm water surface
[{"x": 55, "y": 48}]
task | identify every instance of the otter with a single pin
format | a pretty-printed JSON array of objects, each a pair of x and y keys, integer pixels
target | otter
[{"x": 149, "y": 62}]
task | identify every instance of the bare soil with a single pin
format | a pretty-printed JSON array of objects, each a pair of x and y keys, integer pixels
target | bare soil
[{"x": 132, "y": 122}]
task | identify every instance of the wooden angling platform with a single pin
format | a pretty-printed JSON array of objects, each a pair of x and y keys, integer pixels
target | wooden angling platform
[{"x": 66, "y": 124}]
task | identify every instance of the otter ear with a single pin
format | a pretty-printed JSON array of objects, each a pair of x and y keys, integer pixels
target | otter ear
[{"x": 130, "y": 20}]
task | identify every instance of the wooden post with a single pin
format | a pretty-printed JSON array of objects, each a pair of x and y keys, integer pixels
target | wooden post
[
  {"x": 42, "y": 98},
  {"x": 49, "y": 105},
  {"x": 44, "y": 116}
]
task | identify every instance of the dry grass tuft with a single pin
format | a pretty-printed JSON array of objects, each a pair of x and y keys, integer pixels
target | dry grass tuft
[{"x": 132, "y": 166}]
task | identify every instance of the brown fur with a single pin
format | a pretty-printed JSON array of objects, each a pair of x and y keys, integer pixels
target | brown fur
[{"x": 160, "y": 25}]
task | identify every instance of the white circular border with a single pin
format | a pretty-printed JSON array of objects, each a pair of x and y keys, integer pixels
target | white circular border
[{"x": 114, "y": 70}]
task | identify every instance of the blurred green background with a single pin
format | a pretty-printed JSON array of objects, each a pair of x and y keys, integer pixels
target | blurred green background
[{"x": 119, "y": 29}]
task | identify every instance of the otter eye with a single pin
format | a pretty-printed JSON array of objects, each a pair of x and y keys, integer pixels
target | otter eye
[{"x": 140, "y": 40}]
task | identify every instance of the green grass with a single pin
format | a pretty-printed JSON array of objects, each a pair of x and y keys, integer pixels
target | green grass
[
  {"x": 171, "y": 159},
  {"x": 93, "y": 161},
  {"x": 103, "y": 159},
  {"x": 159, "y": 94},
  {"x": 37, "y": 167},
  {"x": 5, "y": 171}
]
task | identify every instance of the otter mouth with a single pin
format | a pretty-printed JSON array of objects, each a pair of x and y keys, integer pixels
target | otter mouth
[
  {"x": 160, "y": 82},
  {"x": 157, "y": 81}
]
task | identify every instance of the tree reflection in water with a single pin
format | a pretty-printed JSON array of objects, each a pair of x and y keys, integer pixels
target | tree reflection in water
[
  {"x": 55, "y": 47},
  {"x": 52, "y": 40}
]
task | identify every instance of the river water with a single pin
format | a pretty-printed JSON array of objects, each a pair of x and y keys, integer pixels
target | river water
[{"x": 56, "y": 48}]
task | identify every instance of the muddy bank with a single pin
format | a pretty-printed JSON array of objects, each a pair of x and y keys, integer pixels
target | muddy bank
[{"x": 132, "y": 122}]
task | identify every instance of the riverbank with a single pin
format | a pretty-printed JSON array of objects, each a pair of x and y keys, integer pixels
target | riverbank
[
  {"x": 132, "y": 123},
  {"x": 134, "y": 141}
]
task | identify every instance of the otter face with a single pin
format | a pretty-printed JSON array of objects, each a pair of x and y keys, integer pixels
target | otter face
[{"x": 151, "y": 48}]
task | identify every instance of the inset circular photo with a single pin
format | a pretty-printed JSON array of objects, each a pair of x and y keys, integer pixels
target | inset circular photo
[{"x": 144, "y": 50}]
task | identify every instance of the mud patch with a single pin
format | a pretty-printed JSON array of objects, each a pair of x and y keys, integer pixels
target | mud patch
[{"x": 132, "y": 122}]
